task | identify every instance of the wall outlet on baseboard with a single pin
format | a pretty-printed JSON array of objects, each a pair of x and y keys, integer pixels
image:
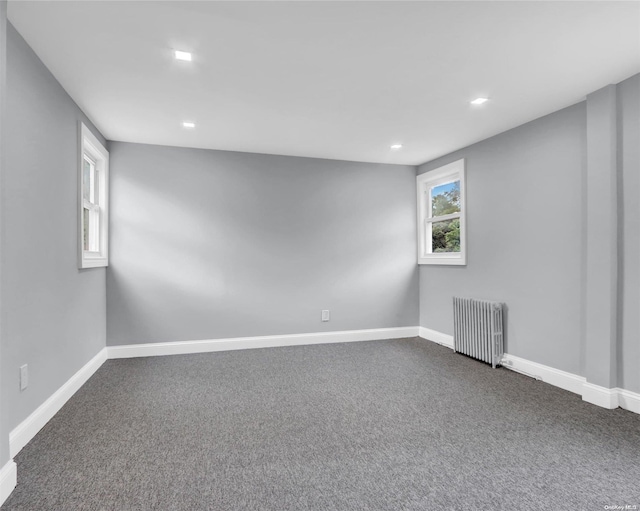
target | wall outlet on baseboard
[
  {"x": 325, "y": 316},
  {"x": 24, "y": 377}
]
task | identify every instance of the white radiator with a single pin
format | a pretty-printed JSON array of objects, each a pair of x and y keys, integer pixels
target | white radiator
[{"x": 477, "y": 329}]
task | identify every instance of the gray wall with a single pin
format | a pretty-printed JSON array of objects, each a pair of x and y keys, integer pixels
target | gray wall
[
  {"x": 525, "y": 244},
  {"x": 53, "y": 315},
  {"x": 629, "y": 221},
  {"x": 601, "y": 228},
  {"x": 212, "y": 244},
  {"x": 4, "y": 423}
]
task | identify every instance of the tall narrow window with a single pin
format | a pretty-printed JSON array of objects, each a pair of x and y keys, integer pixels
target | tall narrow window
[
  {"x": 94, "y": 188},
  {"x": 441, "y": 215}
]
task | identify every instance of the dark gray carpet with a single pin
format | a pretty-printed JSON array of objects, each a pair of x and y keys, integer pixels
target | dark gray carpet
[{"x": 385, "y": 425}]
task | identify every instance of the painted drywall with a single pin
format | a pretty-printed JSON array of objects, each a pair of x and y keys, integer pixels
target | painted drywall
[
  {"x": 4, "y": 424},
  {"x": 628, "y": 117},
  {"x": 525, "y": 242},
  {"x": 601, "y": 227},
  {"x": 53, "y": 315},
  {"x": 212, "y": 244}
]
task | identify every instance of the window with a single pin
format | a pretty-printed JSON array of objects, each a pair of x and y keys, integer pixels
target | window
[
  {"x": 93, "y": 217},
  {"x": 441, "y": 215}
]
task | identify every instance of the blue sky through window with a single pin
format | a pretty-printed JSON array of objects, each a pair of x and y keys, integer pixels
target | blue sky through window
[{"x": 437, "y": 190}]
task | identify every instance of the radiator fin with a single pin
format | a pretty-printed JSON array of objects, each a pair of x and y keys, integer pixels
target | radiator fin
[{"x": 477, "y": 329}]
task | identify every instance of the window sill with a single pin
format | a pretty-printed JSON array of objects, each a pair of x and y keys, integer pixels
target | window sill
[
  {"x": 443, "y": 260},
  {"x": 94, "y": 262}
]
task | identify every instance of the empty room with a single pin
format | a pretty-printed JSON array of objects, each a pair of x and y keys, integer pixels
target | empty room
[{"x": 319, "y": 255}]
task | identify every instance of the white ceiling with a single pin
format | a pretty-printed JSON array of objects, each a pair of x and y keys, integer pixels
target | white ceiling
[{"x": 341, "y": 80}]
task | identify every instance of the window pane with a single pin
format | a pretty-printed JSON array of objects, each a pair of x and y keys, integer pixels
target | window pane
[
  {"x": 94, "y": 185},
  {"x": 445, "y": 199},
  {"x": 95, "y": 231},
  {"x": 90, "y": 181},
  {"x": 86, "y": 180},
  {"x": 86, "y": 227},
  {"x": 445, "y": 236}
]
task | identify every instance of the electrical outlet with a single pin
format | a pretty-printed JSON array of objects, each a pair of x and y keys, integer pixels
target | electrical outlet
[
  {"x": 24, "y": 377},
  {"x": 325, "y": 316}
]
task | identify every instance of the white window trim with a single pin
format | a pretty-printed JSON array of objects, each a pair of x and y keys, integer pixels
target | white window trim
[
  {"x": 92, "y": 147},
  {"x": 451, "y": 172}
]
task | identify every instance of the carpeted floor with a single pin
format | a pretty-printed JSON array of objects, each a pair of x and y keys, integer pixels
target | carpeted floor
[{"x": 384, "y": 425}]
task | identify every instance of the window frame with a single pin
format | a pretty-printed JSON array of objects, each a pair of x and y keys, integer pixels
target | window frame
[
  {"x": 93, "y": 150},
  {"x": 454, "y": 171}
]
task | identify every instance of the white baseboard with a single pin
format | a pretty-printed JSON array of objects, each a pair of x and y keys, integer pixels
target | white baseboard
[
  {"x": 437, "y": 337},
  {"x": 594, "y": 394},
  {"x": 555, "y": 377},
  {"x": 266, "y": 341},
  {"x": 629, "y": 400},
  {"x": 601, "y": 396},
  {"x": 28, "y": 428},
  {"x": 8, "y": 480},
  {"x": 611, "y": 398}
]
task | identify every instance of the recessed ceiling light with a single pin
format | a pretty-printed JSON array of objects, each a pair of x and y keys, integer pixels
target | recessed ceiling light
[
  {"x": 189, "y": 124},
  {"x": 396, "y": 146},
  {"x": 183, "y": 55},
  {"x": 479, "y": 101}
]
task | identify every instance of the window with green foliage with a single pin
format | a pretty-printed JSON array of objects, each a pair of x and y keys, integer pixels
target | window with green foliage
[
  {"x": 441, "y": 215},
  {"x": 445, "y": 231}
]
